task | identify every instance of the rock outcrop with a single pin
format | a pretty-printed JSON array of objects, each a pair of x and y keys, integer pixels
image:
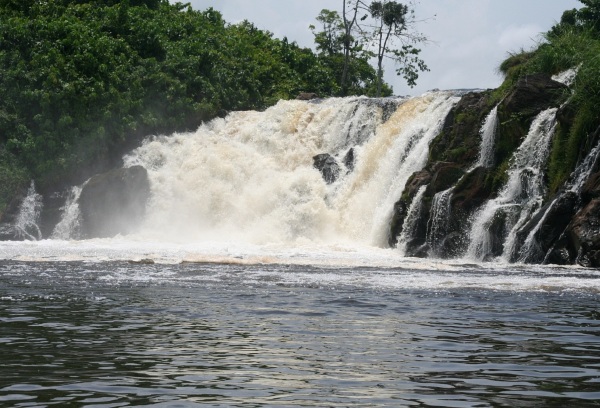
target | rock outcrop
[
  {"x": 328, "y": 166},
  {"x": 451, "y": 170}
]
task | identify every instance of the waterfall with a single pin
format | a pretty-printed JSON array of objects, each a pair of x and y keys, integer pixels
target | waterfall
[
  {"x": 439, "y": 221},
  {"x": 584, "y": 170},
  {"x": 249, "y": 177},
  {"x": 519, "y": 198},
  {"x": 27, "y": 220},
  {"x": 410, "y": 222},
  {"x": 488, "y": 137},
  {"x": 531, "y": 248},
  {"x": 566, "y": 77},
  {"x": 68, "y": 227}
]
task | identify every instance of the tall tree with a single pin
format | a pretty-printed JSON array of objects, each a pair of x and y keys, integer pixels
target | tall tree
[
  {"x": 349, "y": 21},
  {"x": 393, "y": 37},
  {"x": 330, "y": 40}
]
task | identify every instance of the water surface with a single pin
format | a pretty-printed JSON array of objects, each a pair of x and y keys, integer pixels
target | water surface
[{"x": 116, "y": 333}]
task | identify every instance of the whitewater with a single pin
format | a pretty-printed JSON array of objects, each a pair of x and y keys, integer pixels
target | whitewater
[{"x": 257, "y": 279}]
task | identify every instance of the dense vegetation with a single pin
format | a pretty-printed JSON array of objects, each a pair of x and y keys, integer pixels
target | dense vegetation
[
  {"x": 82, "y": 80},
  {"x": 572, "y": 43}
]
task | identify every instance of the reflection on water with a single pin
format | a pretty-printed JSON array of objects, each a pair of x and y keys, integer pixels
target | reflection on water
[{"x": 117, "y": 334}]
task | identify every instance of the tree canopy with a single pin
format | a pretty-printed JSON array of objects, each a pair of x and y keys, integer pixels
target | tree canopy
[
  {"x": 376, "y": 29},
  {"x": 84, "y": 80}
]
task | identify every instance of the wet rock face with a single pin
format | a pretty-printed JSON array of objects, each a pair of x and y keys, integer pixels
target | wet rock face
[
  {"x": 580, "y": 242},
  {"x": 326, "y": 164},
  {"x": 584, "y": 232},
  {"x": 114, "y": 202},
  {"x": 533, "y": 94},
  {"x": 551, "y": 221},
  {"x": 306, "y": 96},
  {"x": 459, "y": 140}
]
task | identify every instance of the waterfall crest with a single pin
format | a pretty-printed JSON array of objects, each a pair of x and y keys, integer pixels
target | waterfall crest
[
  {"x": 488, "y": 137},
  {"x": 250, "y": 176}
]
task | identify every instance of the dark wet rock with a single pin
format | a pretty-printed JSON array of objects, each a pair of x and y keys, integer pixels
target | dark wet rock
[
  {"x": 529, "y": 96},
  {"x": 306, "y": 96},
  {"x": 459, "y": 139},
  {"x": 445, "y": 175},
  {"x": 400, "y": 210},
  {"x": 584, "y": 232},
  {"x": 550, "y": 222},
  {"x": 326, "y": 164},
  {"x": 533, "y": 94},
  {"x": 349, "y": 159},
  {"x": 580, "y": 243},
  {"x": 472, "y": 191},
  {"x": 452, "y": 245},
  {"x": 114, "y": 202},
  {"x": 591, "y": 188}
]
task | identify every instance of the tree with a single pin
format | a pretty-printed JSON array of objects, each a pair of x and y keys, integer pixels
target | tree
[
  {"x": 339, "y": 51},
  {"x": 348, "y": 39},
  {"x": 392, "y": 23},
  {"x": 330, "y": 40},
  {"x": 587, "y": 18}
]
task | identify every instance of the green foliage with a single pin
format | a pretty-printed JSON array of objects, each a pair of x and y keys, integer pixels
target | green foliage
[
  {"x": 13, "y": 178},
  {"x": 393, "y": 22},
  {"x": 361, "y": 77},
  {"x": 572, "y": 43},
  {"x": 83, "y": 80}
]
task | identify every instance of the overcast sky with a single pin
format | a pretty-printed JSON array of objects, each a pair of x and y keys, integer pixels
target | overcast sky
[{"x": 469, "y": 38}]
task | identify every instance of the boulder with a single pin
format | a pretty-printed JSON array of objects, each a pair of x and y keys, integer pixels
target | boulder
[
  {"x": 306, "y": 96},
  {"x": 550, "y": 221},
  {"x": 326, "y": 164},
  {"x": 349, "y": 159},
  {"x": 418, "y": 179},
  {"x": 459, "y": 139},
  {"x": 114, "y": 202},
  {"x": 534, "y": 93},
  {"x": 580, "y": 243},
  {"x": 584, "y": 232}
]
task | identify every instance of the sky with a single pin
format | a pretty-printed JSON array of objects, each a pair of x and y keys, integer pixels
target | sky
[{"x": 468, "y": 38}]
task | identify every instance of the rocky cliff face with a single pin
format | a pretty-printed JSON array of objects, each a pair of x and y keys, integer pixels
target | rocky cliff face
[{"x": 563, "y": 227}]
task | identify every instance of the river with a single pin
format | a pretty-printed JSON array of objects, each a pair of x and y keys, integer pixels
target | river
[{"x": 93, "y": 323}]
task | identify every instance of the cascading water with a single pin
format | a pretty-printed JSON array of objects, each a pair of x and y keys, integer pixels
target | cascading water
[
  {"x": 488, "y": 137},
  {"x": 68, "y": 227},
  {"x": 26, "y": 224},
  {"x": 439, "y": 220},
  {"x": 531, "y": 248},
  {"x": 249, "y": 177},
  {"x": 521, "y": 196},
  {"x": 410, "y": 223}
]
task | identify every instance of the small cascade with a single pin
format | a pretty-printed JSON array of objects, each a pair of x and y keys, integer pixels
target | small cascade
[
  {"x": 68, "y": 226},
  {"x": 520, "y": 197},
  {"x": 26, "y": 224},
  {"x": 439, "y": 221},
  {"x": 488, "y": 138},
  {"x": 584, "y": 170},
  {"x": 413, "y": 214},
  {"x": 531, "y": 248},
  {"x": 566, "y": 77}
]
